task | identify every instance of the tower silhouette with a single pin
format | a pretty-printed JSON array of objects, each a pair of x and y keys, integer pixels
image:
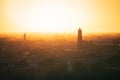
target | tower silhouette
[
  {"x": 79, "y": 40},
  {"x": 24, "y": 36}
]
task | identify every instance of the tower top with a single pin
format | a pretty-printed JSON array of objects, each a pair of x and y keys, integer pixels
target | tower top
[{"x": 79, "y": 28}]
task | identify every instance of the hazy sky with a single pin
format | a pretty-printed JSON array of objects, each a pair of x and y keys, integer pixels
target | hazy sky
[{"x": 59, "y": 15}]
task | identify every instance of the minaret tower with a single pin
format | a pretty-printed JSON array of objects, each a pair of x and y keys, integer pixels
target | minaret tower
[
  {"x": 79, "y": 41},
  {"x": 24, "y": 36}
]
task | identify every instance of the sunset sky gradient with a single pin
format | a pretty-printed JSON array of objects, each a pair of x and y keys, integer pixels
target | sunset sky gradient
[{"x": 93, "y": 16}]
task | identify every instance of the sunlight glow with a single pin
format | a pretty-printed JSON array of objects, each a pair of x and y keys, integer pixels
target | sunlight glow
[
  {"x": 59, "y": 15},
  {"x": 46, "y": 17}
]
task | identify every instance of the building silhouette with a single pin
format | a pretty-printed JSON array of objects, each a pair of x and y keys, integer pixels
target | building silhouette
[
  {"x": 24, "y": 36},
  {"x": 79, "y": 39}
]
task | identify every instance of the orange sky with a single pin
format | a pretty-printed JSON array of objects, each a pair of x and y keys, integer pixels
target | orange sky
[{"x": 60, "y": 15}]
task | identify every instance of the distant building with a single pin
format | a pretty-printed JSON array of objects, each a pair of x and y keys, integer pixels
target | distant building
[
  {"x": 24, "y": 36},
  {"x": 79, "y": 40}
]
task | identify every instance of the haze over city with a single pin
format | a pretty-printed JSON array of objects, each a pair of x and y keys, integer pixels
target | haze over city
[{"x": 59, "y": 39}]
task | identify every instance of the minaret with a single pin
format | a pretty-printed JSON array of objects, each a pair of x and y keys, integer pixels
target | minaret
[
  {"x": 24, "y": 36},
  {"x": 79, "y": 41}
]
